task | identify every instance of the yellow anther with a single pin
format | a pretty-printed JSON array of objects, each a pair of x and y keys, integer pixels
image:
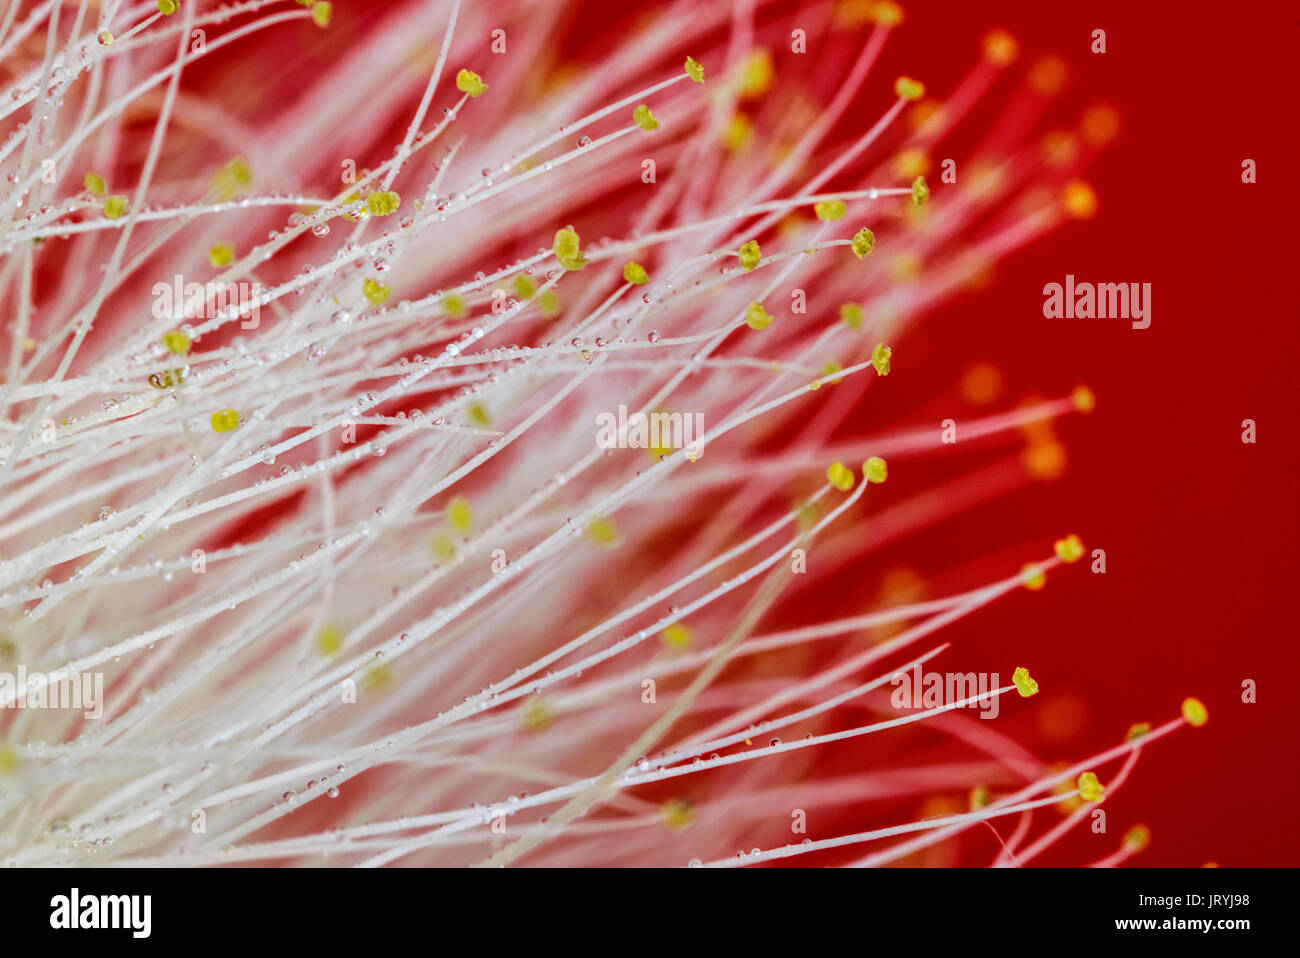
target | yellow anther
[
  {"x": 1079, "y": 200},
  {"x": 524, "y": 286},
  {"x": 329, "y": 640},
  {"x": 105, "y": 38},
  {"x": 635, "y": 273},
  {"x": 875, "y": 469},
  {"x": 851, "y": 314},
  {"x": 840, "y": 476},
  {"x": 1069, "y": 549},
  {"x": 223, "y": 254},
  {"x": 443, "y": 548},
  {"x": 94, "y": 183},
  {"x": 1032, "y": 576},
  {"x": 460, "y": 516},
  {"x": 920, "y": 192},
  {"x": 830, "y": 369},
  {"x": 567, "y": 250},
  {"x": 176, "y": 342},
  {"x": 536, "y": 714},
  {"x": 979, "y": 798},
  {"x": 887, "y": 13},
  {"x": 470, "y": 83},
  {"x": 602, "y": 531},
  {"x": 864, "y": 241},
  {"x": 1137, "y": 730},
  {"x": 756, "y": 317},
  {"x": 830, "y": 210},
  {"x": 738, "y": 132},
  {"x": 377, "y": 677},
  {"x": 453, "y": 304},
  {"x": 750, "y": 254},
  {"x": 1137, "y": 838},
  {"x": 383, "y": 203},
  {"x": 8, "y": 760},
  {"x": 677, "y": 814},
  {"x": 1090, "y": 789},
  {"x": 694, "y": 69},
  {"x": 549, "y": 303},
  {"x": 375, "y": 291},
  {"x": 881, "y": 359},
  {"x": 224, "y": 420},
  {"x": 478, "y": 415},
  {"x": 167, "y": 7},
  {"x": 677, "y": 637},
  {"x": 1000, "y": 47},
  {"x": 321, "y": 13},
  {"x": 644, "y": 118},
  {"x": 911, "y": 162},
  {"x": 755, "y": 74},
  {"x": 1195, "y": 712},
  {"x": 1083, "y": 399},
  {"x": 1024, "y": 682},
  {"x": 114, "y": 207},
  {"x": 909, "y": 89},
  {"x": 232, "y": 179}
]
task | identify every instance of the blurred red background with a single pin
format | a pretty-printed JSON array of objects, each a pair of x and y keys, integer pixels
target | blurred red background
[{"x": 1200, "y": 530}]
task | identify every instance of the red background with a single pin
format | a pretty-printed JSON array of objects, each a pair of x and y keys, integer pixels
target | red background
[{"x": 1200, "y": 530}]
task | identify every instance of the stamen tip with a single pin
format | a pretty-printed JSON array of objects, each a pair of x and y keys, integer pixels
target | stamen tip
[
  {"x": 756, "y": 317},
  {"x": 908, "y": 88},
  {"x": 864, "y": 241},
  {"x": 1069, "y": 549},
  {"x": 470, "y": 83},
  {"x": 225, "y": 420},
  {"x": 881, "y": 359},
  {"x": 1195, "y": 712},
  {"x": 875, "y": 470},
  {"x": 840, "y": 476},
  {"x": 1090, "y": 787},
  {"x": 1024, "y": 682}
]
